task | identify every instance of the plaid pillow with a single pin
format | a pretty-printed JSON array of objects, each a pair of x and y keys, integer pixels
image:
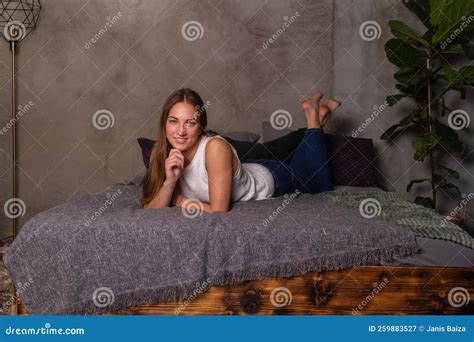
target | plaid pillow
[{"x": 350, "y": 160}]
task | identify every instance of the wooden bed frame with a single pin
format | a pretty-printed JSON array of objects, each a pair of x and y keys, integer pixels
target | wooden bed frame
[{"x": 365, "y": 290}]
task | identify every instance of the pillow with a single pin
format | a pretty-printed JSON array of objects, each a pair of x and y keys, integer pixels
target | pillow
[
  {"x": 350, "y": 159},
  {"x": 146, "y": 145},
  {"x": 281, "y": 149},
  {"x": 241, "y": 136},
  {"x": 270, "y": 133}
]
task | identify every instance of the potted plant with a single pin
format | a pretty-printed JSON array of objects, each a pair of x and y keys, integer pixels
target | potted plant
[{"x": 425, "y": 75}]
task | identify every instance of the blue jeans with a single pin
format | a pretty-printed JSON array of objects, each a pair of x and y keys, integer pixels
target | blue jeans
[{"x": 308, "y": 170}]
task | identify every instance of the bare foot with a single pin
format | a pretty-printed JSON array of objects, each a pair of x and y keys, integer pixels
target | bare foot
[
  {"x": 311, "y": 109},
  {"x": 328, "y": 106}
]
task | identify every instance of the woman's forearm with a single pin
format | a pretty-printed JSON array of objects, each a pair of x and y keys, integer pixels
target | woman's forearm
[
  {"x": 163, "y": 197},
  {"x": 182, "y": 202}
]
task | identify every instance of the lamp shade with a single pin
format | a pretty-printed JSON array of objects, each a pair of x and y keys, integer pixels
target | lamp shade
[{"x": 18, "y": 18}]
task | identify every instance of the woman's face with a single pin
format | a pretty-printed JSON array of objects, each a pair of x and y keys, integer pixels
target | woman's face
[{"x": 182, "y": 127}]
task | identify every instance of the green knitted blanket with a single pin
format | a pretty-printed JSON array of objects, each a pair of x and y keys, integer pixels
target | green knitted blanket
[{"x": 394, "y": 208}]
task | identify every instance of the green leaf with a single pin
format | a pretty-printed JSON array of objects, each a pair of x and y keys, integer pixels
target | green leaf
[
  {"x": 389, "y": 134},
  {"x": 437, "y": 8},
  {"x": 448, "y": 138},
  {"x": 425, "y": 201},
  {"x": 451, "y": 172},
  {"x": 418, "y": 92},
  {"x": 421, "y": 8},
  {"x": 439, "y": 105},
  {"x": 453, "y": 77},
  {"x": 450, "y": 18},
  {"x": 439, "y": 179},
  {"x": 402, "y": 31},
  {"x": 409, "y": 75},
  {"x": 467, "y": 74},
  {"x": 442, "y": 183},
  {"x": 451, "y": 186},
  {"x": 455, "y": 49},
  {"x": 461, "y": 90},
  {"x": 455, "y": 81},
  {"x": 405, "y": 89},
  {"x": 410, "y": 185},
  {"x": 423, "y": 145},
  {"x": 412, "y": 118},
  {"x": 393, "y": 99},
  {"x": 465, "y": 42},
  {"x": 403, "y": 54}
]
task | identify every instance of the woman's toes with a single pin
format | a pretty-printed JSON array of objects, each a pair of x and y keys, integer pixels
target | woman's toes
[
  {"x": 305, "y": 105},
  {"x": 323, "y": 112},
  {"x": 308, "y": 107},
  {"x": 332, "y": 104},
  {"x": 316, "y": 98}
]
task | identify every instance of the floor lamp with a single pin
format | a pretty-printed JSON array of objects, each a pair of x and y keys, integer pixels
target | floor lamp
[{"x": 17, "y": 19}]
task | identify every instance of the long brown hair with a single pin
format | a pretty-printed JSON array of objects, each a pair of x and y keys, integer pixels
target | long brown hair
[{"x": 155, "y": 175}]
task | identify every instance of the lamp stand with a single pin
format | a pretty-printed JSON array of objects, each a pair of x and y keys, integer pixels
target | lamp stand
[{"x": 14, "y": 185}]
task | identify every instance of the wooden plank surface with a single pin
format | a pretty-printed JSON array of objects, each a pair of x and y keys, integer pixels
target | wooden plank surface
[{"x": 364, "y": 290}]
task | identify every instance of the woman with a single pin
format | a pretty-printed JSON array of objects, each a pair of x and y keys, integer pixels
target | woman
[{"x": 189, "y": 163}]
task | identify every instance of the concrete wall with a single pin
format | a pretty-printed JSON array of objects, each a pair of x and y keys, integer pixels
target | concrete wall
[
  {"x": 142, "y": 57},
  {"x": 131, "y": 69},
  {"x": 364, "y": 77}
]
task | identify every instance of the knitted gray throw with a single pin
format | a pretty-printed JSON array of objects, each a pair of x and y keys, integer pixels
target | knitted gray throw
[{"x": 393, "y": 207}]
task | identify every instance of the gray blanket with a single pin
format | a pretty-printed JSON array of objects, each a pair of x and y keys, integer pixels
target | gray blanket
[{"x": 104, "y": 252}]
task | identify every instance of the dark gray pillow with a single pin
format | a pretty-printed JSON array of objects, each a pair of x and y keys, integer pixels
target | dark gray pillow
[
  {"x": 270, "y": 133},
  {"x": 241, "y": 136}
]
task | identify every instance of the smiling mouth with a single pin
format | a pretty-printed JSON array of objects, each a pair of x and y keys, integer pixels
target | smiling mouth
[{"x": 181, "y": 140}]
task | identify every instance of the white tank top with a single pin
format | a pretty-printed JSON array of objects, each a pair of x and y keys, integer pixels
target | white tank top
[{"x": 251, "y": 181}]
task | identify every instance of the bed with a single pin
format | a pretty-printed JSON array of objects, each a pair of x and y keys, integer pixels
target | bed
[{"x": 319, "y": 254}]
